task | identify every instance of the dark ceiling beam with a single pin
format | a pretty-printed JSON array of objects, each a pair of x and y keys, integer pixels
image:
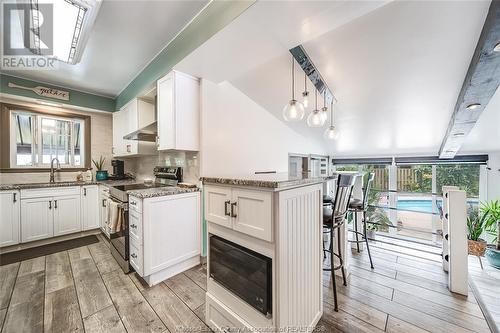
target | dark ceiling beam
[
  {"x": 480, "y": 84},
  {"x": 312, "y": 72}
]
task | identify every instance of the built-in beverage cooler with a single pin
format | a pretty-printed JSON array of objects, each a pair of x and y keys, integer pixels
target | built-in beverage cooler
[{"x": 245, "y": 273}]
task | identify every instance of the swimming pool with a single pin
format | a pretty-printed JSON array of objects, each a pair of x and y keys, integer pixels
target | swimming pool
[{"x": 416, "y": 205}]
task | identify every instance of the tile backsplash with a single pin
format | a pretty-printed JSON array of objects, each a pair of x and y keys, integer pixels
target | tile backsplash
[
  {"x": 142, "y": 167},
  {"x": 35, "y": 177}
]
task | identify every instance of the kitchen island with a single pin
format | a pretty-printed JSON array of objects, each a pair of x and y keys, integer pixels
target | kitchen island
[{"x": 264, "y": 251}]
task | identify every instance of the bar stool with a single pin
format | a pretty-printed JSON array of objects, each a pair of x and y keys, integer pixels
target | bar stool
[
  {"x": 361, "y": 206},
  {"x": 333, "y": 218}
]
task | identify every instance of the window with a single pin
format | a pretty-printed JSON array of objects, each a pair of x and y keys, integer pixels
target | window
[
  {"x": 414, "y": 178},
  {"x": 33, "y": 139}
]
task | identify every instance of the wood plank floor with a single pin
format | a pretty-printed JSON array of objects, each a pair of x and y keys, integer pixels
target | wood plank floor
[
  {"x": 486, "y": 284},
  {"x": 84, "y": 290}
]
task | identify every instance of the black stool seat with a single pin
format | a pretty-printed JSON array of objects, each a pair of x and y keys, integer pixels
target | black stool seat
[
  {"x": 356, "y": 204},
  {"x": 327, "y": 199},
  {"x": 327, "y": 218}
]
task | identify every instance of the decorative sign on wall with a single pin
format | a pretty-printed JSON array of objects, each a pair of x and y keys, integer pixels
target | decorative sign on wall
[{"x": 45, "y": 92}]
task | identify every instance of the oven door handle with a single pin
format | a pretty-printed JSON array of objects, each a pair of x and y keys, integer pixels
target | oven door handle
[{"x": 122, "y": 205}]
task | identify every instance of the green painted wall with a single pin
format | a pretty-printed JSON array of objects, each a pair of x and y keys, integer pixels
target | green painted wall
[
  {"x": 213, "y": 18},
  {"x": 76, "y": 98}
]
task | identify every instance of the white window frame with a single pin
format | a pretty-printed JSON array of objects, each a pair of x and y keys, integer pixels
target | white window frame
[{"x": 36, "y": 151}]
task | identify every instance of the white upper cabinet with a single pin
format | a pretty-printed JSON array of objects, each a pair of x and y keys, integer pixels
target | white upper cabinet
[
  {"x": 9, "y": 218},
  {"x": 178, "y": 98},
  {"x": 134, "y": 115}
]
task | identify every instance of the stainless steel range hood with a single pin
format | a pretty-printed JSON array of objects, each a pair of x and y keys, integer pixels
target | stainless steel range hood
[{"x": 146, "y": 133}]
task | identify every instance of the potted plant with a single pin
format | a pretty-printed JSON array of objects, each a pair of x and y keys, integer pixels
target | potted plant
[
  {"x": 100, "y": 174},
  {"x": 492, "y": 210},
  {"x": 476, "y": 225},
  {"x": 370, "y": 230}
]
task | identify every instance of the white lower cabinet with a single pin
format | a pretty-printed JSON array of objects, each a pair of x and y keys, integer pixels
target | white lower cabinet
[
  {"x": 246, "y": 211},
  {"x": 36, "y": 219},
  {"x": 165, "y": 236},
  {"x": 67, "y": 219},
  {"x": 9, "y": 218},
  {"x": 90, "y": 207},
  {"x": 49, "y": 212}
]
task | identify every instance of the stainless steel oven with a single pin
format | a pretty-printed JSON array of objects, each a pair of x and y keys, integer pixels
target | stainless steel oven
[
  {"x": 245, "y": 273},
  {"x": 119, "y": 239}
]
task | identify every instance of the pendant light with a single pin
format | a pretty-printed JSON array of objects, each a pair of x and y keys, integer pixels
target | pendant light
[
  {"x": 305, "y": 94},
  {"x": 324, "y": 110},
  {"x": 331, "y": 132},
  {"x": 293, "y": 110},
  {"x": 314, "y": 119}
]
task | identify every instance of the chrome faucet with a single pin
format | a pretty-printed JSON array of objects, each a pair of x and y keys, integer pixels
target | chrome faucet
[{"x": 52, "y": 169}]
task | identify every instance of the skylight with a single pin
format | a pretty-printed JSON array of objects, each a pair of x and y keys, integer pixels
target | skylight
[
  {"x": 72, "y": 22},
  {"x": 68, "y": 22}
]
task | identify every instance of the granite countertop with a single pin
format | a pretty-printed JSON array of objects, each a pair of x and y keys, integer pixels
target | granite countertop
[
  {"x": 161, "y": 191},
  {"x": 7, "y": 187},
  {"x": 271, "y": 181}
]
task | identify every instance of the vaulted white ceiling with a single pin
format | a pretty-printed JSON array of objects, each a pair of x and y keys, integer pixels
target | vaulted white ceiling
[
  {"x": 126, "y": 36},
  {"x": 396, "y": 68}
]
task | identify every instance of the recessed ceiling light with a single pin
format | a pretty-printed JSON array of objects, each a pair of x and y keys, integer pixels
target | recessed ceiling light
[
  {"x": 473, "y": 106},
  {"x": 497, "y": 47},
  {"x": 459, "y": 134}
]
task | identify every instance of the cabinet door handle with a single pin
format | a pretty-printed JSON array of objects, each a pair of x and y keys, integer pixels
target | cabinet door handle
[
  {"x": 55, "y": 204},
  {"x": 226, "y": 207},
  {"x": 50, "y": 204},
  {"x": 14, "y": 197},
  {"x": 233, "y": 205},
  {"x": 133, "y": 226},
  {"x": 104, "y": 202},
  {"x": 85, "y": 192},
  {"x": 133, "y": 255}
]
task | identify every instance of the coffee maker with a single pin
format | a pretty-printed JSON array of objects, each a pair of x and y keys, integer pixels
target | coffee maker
[{"x": 118, "y": 169}]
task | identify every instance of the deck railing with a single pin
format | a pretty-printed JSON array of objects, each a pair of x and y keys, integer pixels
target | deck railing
[{"x": 413, "y": 221}]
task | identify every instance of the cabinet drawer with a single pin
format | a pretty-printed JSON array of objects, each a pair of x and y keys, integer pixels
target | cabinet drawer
[
  {"x": 135, "y": 204},
  {"x": 50, "y": 192},
  {"x": 136, "y": 257},
  {"x": 218, "y": 205},
  {"x": 253, "y": 213},
  {"x": 221, "y": 319},
  {"x": 135, "y": 226}
]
